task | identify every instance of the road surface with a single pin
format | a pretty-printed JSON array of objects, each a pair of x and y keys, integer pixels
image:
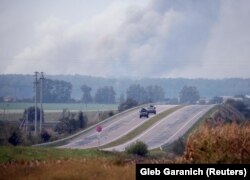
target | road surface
[
  {"x": 112, "y": 129},
  {"x": 169, "y": 128}
]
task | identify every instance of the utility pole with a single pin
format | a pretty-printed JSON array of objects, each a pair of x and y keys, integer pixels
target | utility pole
[
  {"x": 26, "y": 121},
  {"x": 36, "y": 83},
  {"x": 41, "y": 100}
]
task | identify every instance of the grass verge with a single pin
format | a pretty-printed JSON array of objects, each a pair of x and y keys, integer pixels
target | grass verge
[
  {"x": 19, "y": 153},
  {"x": 132, "y": 134},
  {"x": 68, "y": 169},
  {"x": 50, "y": 163}
]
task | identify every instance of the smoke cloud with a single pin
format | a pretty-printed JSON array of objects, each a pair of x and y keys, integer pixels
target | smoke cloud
[{"x": 158, "y": 38}]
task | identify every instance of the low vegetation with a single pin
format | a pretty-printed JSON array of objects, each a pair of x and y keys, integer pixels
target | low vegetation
[
  {"x": 221, "y": 138},
  {"x": 139, "y": 148},
  {"x": 69, "y": 169},
  {"x": 224, "y": 143},
  {"x": 221, "y": 143},
  {"x": 98, "y": 168},
  {"x": 241, "y": 106},
  {"x": 67, "y": 123},
  {"x": 50, "y": 163},
  {"x": 71, "y": 122},
  {"x": 20, "y": 153}
]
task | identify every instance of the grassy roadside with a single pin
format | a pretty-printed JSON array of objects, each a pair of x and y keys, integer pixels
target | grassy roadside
[
  {"x": 141, "y": 128},
  {"x": 68, "y": 169},
  {"x": 20, "y": 153},
  {"x": 50, "y": 163}
]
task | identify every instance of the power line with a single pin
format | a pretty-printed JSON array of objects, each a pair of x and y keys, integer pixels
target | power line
[
  {"x": 36, "y": 83},
  {"x": 41, "y": 99}
]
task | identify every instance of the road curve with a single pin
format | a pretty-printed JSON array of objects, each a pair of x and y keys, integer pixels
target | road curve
[
  {"x": 112, "y": 130},
  {"x": 169, "y": 128}
]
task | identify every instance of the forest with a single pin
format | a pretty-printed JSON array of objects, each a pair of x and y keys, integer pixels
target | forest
[{"x": 22, "y": 86}]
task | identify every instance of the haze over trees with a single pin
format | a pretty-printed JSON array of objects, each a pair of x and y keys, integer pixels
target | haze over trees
[
  {"x": 189, "y": 95},
  {"x": 86, "y": 98},
  {"x": 241, "y": 106},
  {"x": 155, "y": 93},
  {"x": 122, "y": 98},
  {"x": 129, "y": 103},
  {"x": 216, "y": 100},
  {"x": 56, "y": 91},
  {"x": 21, "y": 86},
  {"x": 137, "y": 94},
  {"x": 144, "y": 95},
  {"x": 105, "y": 95}
]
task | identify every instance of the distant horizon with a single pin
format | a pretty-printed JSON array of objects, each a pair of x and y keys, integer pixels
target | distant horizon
[
  {"x": 22, "y": 85},
  {"x": 132, "y": 78}
]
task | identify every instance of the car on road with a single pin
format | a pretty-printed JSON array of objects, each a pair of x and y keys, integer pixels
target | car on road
[
  {"x": 151, "y": 109},
  {"x": 144, "y": 113}
]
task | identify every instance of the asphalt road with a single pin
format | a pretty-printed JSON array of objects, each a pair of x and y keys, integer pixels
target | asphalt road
[
  {"x": 112, "y": 130},
  {"x": 169, "y": 128}
]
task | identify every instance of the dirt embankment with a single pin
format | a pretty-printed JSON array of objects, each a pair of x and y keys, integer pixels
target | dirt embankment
[{"x": 226, "y": 114}]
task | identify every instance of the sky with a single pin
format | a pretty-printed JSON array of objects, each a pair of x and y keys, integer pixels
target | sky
[{"x": 126, "y": 38}]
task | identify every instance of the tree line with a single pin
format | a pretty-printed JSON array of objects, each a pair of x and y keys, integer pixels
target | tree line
[
  {"x": 21, "y": 86},
  {"x": 59, "y": 91},
  {"x": 136, "y": 92}
]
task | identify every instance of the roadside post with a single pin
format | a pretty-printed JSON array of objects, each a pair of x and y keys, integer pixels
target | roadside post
[{"x": 99, "y": 130}]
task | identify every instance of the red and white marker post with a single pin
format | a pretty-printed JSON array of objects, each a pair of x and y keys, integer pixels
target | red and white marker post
[{"x": 99, "y": 130}]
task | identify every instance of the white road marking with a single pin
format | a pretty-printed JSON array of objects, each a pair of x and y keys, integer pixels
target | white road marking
[{"x": 73, "y": 144}]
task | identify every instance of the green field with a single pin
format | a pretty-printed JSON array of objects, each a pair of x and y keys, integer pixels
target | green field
[
  {"x": 59, "y": 106},
  {"x": 8, "y": 153}
]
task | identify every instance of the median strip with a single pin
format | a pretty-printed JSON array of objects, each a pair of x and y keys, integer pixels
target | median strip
[{"x": 137, "y": 131}]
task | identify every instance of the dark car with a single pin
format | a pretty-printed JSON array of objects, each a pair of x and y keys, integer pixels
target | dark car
[
  {"x": 151, "y": 109},
  {"x": 143, "y": 113}
]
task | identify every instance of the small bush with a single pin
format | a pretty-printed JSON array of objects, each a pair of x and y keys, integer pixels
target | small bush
[
  {"x": 82, "y": 118},
  {"x": 30, "y": 114},
  {"x": 45, "y": 136},
  {"x": 69, "y": 123},
  {"x": 179, "y": 146},
  {"x": 111, "y": 113},
  {"x": 138, "y": 148},
  {"x": 16, "y": 138}
]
